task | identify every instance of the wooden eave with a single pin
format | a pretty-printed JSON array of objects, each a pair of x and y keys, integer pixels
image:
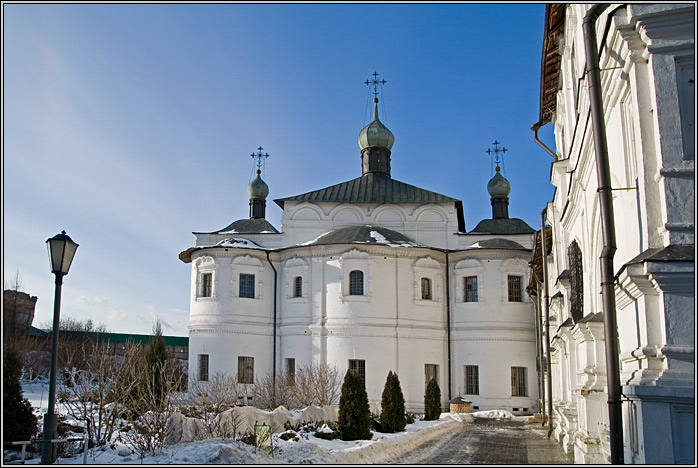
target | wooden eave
[{"x": 550, "y": 61}]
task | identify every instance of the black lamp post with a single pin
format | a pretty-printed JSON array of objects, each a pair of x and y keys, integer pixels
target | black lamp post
[{"x": 61, "y": 250}]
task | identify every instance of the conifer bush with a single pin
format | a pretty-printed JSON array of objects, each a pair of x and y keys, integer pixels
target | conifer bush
[
  {"x": 392, "y": 417},
  {"x": 432, "y": 401},
  {"x": 354, "y": 420},
  {"x": 18, "y": 420}
]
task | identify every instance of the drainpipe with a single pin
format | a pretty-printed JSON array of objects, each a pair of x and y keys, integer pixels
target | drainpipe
[
  {"x": 448, "y": 324},
  {"x": 535, "y": 127},
  {"x": 273, "y": 370},
  {"x": 546, "y": 312},
  {"x": 536, "y": 298},
  {"x": 615, "y": 417}
]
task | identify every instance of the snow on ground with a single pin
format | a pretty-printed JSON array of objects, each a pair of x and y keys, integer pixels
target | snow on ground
[{"x": 306, "y": 449}]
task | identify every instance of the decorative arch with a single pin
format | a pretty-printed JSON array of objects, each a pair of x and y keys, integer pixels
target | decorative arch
[
  {"x": 205, "y": 282},
  {"x": 389, "y": 214},
  {"x": 430, "y": 214},
  {"x": 307, "y": 212},
  {"x": 296, "y": 281},
  {"x": 514, "y": 289},
  {"x": 427, "y": 281},
  {"x": 347, "y": 215},
  {"x": 353, "y": 261},
  {"x": 247, "y": 265},
  {"x": 464, "y": 271}
]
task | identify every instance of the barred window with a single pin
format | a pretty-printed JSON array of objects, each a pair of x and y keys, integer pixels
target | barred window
[
  {"x": 470, "y": 289},
  {"x": 472, "y": 380},
  {"x": 514, "y": 287},
  {"x": 356, "y": 283},
  {"x": 426, "y": 289},
  {"x": 247, "y": 285},
  {"x": 206, "y": 284},
  {"x": 358, "y": 366},
  {"x": 298, "y": 286},
  {"x": 518, "y": 381},
  {"x": 291, "y": 368},
  {"x": 245, "y": 369},
  {"x": 574, "y": 258},
  {"x": 431, "y": 371},
  {"x": 203, "y": 367}
]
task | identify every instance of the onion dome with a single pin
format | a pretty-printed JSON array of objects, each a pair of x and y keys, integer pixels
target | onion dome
[
  {"x": 375, "y": 133},
  {"x": 498, "y": 186},
  {"x": 258, "y": 189}
]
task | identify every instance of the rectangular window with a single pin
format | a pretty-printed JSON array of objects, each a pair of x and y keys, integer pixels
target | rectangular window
[
  {"x": 298, "y": 286},
  {"x": 246, "y": 285},
  {"x": 431, "y": 371},
  {"x": 514, "y": 286},
  {"x": 359, "y": 366},
  {"x": 206, "y": 284},
  {"x": 426, "y": 289},
  {"x": 291, "y": 368},
  {"x": 472, "y": 380},
  {"x": 245, "y": 369},
  {"x": 470, "y": 289},
  {"x": 203, "y": 367},
  {"x": 518, "y": 381},
  {"x": 356, "y": 283}
]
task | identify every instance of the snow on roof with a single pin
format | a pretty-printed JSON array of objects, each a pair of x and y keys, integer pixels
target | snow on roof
[{"x": 237, "y": 242}]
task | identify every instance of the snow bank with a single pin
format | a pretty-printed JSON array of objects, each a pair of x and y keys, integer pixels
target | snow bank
[
  {"x": 495, "y": 414},
  {"x": 243, "y": 419},
  {"x": 390, "y": 446}
]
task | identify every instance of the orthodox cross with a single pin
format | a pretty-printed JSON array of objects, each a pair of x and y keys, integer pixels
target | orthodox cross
[
  {"x": 260, "y": 158},
  {"x": 375, "y": 82},
  {"x": 498, "y": 153}
]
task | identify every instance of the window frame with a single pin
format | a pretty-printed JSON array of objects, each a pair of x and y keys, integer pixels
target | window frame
[
  {"x": 470, "y": 294},
  {"x": 247, "y": 287},
  {"x": 519, "y": 381},
  {"x": 202, "y": 372},
  {"x": 471, "y": 379},
  {"x": 359, "y": 366},
  {"x": 297, "y": 287},
  {"x": 430, "y": 371},
  {"x": 245, "y": 370},
  {"x": 514, "y": 293},
  {"x": 427, "y": 294},
  {"x": 356, "y": 280}
]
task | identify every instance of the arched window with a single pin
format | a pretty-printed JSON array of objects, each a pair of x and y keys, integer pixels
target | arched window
[
  {"x": 298, "y": 286},
  {"x": 574, "y": 259},
  {"x": 356, "y": 283},
  {"x": 426, "y": 289}
]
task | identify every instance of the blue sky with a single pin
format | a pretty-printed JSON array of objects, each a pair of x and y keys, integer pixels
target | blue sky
[{"x": 131, "y": 126}]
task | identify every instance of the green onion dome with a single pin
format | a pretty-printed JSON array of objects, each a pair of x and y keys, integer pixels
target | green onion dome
[
  {"x": 375, "y": 133},
  {"x": 258, "y": 189}
]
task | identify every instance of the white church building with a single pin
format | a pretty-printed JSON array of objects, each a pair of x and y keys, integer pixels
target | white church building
[{"x": 375, "y": 275}]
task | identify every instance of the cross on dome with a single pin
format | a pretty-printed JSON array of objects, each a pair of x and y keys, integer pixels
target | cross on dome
[
  {"x": 498, "y": 154},
  {"x": 375, "y": 82}
]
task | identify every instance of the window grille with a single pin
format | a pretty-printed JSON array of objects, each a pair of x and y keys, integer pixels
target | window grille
[
  {"x": 358, "y": 366},
  {"x": 574, "y": 258},
  {"x": 472, "y": 380},
  {"x": 470, "y": 289},
  {"x": 431, "y": 371},
  {"x": 247, "y": 285},
  {"x": 518, "y": 381},
  {"x": 291, "y": 368},
  {"x": 356, "y": 283},
  {"x": 514, "y": 286},
  {"x": 206, "y": 284},
  {"x": 426, "y": 289},
  {"x": 245, "y": 369},
  {"x": 203, "y": 367},
  {"x": 298, "y": 286}
]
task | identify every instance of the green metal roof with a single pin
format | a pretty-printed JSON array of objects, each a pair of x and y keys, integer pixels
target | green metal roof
[
  {"x": 498, "y": 243},
  {"x": 370, "y": 188},
  {"x": 124, "y": 338},
  {"x": 246, "y": 226},
  {"x": 503, "y": 226},
  {"x": 365, "y": 235}
]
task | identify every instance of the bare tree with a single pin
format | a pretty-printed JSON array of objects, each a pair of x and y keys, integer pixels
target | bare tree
[
  {"x": 268, "y": 393},
  {"x": 209, "y": 400},
  {"x": 317, "y": 384},
  {"x": 93, "y": 396}
]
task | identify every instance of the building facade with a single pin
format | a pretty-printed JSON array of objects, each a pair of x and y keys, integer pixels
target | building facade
[
  {"x": 646, "y": 62},
  {"x": 374, "y": 275}
]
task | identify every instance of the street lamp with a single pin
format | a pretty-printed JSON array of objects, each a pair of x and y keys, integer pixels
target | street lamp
[{"x": 61, "y": 250}]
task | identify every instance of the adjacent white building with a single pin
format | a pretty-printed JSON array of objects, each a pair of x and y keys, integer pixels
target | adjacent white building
[
  {"x": 647, "y": 91},
  {"x": 375, "y": 275}
]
